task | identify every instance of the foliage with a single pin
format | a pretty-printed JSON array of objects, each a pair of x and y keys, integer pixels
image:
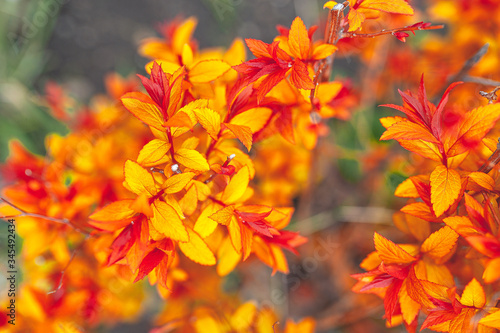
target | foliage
[{"x": 184, "y": 179}]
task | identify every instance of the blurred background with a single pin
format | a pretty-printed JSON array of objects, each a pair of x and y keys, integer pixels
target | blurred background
[{"x": 75, "y": 43}]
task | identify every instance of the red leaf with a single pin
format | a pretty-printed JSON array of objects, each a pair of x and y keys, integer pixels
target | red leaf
[{"x": 149, "y": 263}]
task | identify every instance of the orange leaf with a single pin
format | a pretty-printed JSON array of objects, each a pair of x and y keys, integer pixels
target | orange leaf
[
  {"x": 299, "y": 76},
  {"x": 462, "y": 323},
  {"x": 408, "y": 130},
  {"x": 210, "y": 120},
  {"x": 355, "y": 19},
  {"x": 138, "y": 179},
  {"x": 197, "y": 250},
  {"x": 406, "y": 189},
  {"x": 462, "y": 225},
  {"x": 192, "y": 159},
  {"x": 208, "y": 70},
  {"x": 474, "y": 127},
  {"x": 143, "y": 107},
  {"x": 391, "y": 253},
  {"x": 473, "y": 295},
  {"x": 445, "y": 188},
  {"x": 166, "y": 221},
  {"x": 439, "y": 243},
  {"x": 115, "y": 211},
  {"x": 492, "y": 271},
  {"x": 421, "y": 210},
  {"x": 298, "y": 39},
  {"x": 236, "y": 187},
  {"x": 153, "y": 153},
  {"x": 243, "y": 133}
]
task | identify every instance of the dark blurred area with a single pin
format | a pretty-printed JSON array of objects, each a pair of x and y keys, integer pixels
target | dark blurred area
[{"x": 76, "y": 43}]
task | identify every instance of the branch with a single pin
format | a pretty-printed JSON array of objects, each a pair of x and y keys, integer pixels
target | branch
[
  {"x": 492, "y": 161},
  {"x": 410, "y": 28}
]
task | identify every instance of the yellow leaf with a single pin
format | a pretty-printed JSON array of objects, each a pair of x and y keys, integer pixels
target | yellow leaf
[
  {"x": 167, "y": 66},
  {"x": 439, "y": 243},
  {"x": 355, "y": 19},
  {"x": 391, "y": 253},
  {"x": 306, "y": 325},
  {"x": 143, "y": 107},
  {"x": 208, "y": 70},
  {"x": 204, "y": 225},
  {"x": 210, "y": 120},
  {"x": 166, "y": 221},
  {"x": 223, "y": 216},
  {"x": 323, "y": 50},
  {"x": 228, "y": 257},
  {"x": 243, "y": 318},
  {"x": 406, "y": 190},
  {"x": 491, "y": 320},
  {"x": 236, "y": 187},
  {"x": 177, "y": 182},
  {"x": 483, "y": 180},
  {"x": 192, "y": 159},
  {"x": 243, "y": 133},
  {"x": 254, "y": 118},
  {"x": 197, "y": 250},
  {"x": 138, "y": 179},
  {"x": 141, "y": 205},
  {"x": 445, "y": 188},
  {"x": 115, "y": 211},
  {"x": 473, "y": 295},
  {"x": 388, "y": 6},
  {"x": 182, "y": 34},
  {"x": 298, "y": 39},
  {"x": 153, "y": 153}
]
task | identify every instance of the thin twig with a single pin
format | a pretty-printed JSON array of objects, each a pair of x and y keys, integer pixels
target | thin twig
[
  {"x": 25, "y": 213},
  {"x": 481, "y": 80},
  {"x": 492, "y": 161},
  {"x": 490, "y": 96},
  {"x": 467, "y": 66}
]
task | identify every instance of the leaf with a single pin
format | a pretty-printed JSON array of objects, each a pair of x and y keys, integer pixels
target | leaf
[
  {"x": 492, "y": 271},
  {"x": 205, "y": 225},
  {"x": 445, "y": 188},
  {"x": 149, "y": 263},
  {"x": 421, "y": 210},
  {"x": 388, "y": 6},
  {"x": 210, "y": 120},
  {"x": 115, "y": 211},
  {"x": 138, "y": 179},
  {"x": 439, "y": 243},
  {"x": 408, "y": 130},
  {"x": 191, "y": 159},
  {"x": 236, "y": 187},
  {"x": 406, "y": 189},
  {"x": 153, "y": 153},
  {"x": 224, "y": 215},
  {"x": 228, "y": 257},
  {"x": 298, "y": 39},
  {"x": 208, "y": 70},
  {"x": 166, "y": 221},
  {"x": 143, "y": 107},
  {"x": 474, "y": 127},
  {"x": 462, "y": 323},
  {"x": 483, "y": 180},
  {"x": 243, "y": 133},
  {"x": 177, "y": 182},
  {"x": 254, "y": 118},
  {"x": 355, "y": 18},
  {"x": 390, "y": 253},
  {"x": 491, "y": 320},
  {"x": 197, "y": 250},
  {"x": 473, "y": 295},
  {"x": 299, "y": 76},
  {"x": 462, "y": 225}
]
